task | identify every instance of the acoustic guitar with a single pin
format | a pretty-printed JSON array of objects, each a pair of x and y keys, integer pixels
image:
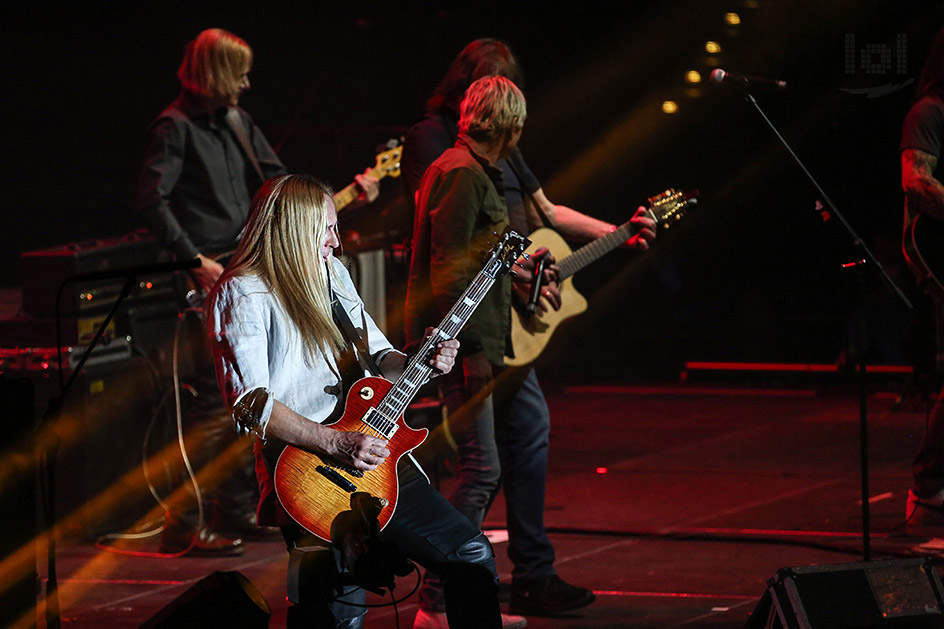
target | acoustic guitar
[
  {"x": 530, "y": 333},
  {"x": 313, "y": 487}
]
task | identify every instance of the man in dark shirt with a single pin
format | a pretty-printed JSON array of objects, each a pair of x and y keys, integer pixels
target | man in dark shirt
[
  {"x": 921, "y": 149},
  {"x": 507, "y": 437}
]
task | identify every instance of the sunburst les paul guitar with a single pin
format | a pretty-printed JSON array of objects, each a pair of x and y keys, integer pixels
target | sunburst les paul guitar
[
  {"x": 530, "y": 333},
  {"x": 314, "y": 488}
]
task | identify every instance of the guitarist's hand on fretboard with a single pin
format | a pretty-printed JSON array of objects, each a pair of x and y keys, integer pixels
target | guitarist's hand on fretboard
[
  {"x": 369, "y": 185},
  {"x": 644, "y": 228}
]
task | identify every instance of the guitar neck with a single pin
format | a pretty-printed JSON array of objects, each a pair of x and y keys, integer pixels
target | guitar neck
[
  {"x": 351, "y": 192},
  {"x": 593, "y": 251},
  {"x": 417, "y": 371}
]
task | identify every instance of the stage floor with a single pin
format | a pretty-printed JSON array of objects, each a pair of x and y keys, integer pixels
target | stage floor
[{"x": 674, "y": 504}]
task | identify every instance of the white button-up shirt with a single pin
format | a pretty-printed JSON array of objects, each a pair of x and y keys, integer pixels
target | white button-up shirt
[{"x": 256, "y": 345}]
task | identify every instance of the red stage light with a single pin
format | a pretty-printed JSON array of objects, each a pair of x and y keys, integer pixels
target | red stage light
[{"x": 602, "y": 470}]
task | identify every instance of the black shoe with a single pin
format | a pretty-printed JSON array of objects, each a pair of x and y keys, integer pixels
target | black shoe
[
  {"x": 178, "y": 536},
  {"x": 548, "y": 597}
]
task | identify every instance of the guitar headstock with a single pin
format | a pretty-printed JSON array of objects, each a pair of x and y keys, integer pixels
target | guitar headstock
[
  {"x": 505, "y": 253},
  {"x": 670, "y": 206},
  {"x": 388, "y": 161}
]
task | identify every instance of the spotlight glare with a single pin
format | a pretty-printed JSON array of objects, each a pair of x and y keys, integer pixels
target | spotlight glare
[
  {"x": 602, "y": 470},
  {"x": 693, "y": 76},
  {"x": 669, "y": 107},
  {"x": 732, "y": 19},
  {"x": 712, "y": 47}
]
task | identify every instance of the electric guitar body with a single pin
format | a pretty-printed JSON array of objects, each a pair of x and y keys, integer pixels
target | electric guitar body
[{"x": 314, "y": 488}]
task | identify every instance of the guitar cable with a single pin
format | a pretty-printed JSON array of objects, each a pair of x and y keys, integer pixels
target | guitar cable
[{"x": 101, "y": 542}]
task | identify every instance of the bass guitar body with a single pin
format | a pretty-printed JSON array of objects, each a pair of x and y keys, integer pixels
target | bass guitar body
[
  {"x": 530, "y": 334},
  {"x": 314, "y": 488}
]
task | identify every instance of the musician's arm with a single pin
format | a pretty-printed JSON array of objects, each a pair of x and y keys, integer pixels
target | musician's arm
[
  {"x": 363, "y": 451},
  {"x": 578, "y": 226},
  {"x": 924, "y": 193}
]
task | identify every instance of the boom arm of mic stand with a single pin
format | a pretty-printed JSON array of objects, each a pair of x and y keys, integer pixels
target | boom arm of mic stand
[{"x": 832, "y": 206}]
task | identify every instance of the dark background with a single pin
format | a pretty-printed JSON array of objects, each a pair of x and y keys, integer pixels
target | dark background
[{"x": 753, "y": 274}]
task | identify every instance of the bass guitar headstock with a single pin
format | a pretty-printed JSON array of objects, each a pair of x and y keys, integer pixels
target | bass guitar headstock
[{"x": 388, "y": 161}]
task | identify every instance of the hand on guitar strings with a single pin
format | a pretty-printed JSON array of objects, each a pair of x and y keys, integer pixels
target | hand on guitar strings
[
  {"x": 644, "y": 224},
  {"x": 444, "y": 358},
  {"x": 208, "y": 272},
  {"x": 550, "y": 293},
  {"x": 369, "y": 185},
  {"x": 364, "y": 452}
]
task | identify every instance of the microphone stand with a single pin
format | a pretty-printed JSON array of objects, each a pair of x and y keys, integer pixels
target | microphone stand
[
  {"x": 860, "y": 266},
  {"x": 49, "y": 447}
]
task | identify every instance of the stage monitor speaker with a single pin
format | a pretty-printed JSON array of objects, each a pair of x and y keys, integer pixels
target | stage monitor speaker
[
  {"x": 897, "y": 593},
  {"x": 222, "y": 599}
]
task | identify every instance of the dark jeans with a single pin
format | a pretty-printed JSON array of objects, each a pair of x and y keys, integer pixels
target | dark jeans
[
  {"x": 428, "y": 530},
  {"x": 502, "y": 440}
]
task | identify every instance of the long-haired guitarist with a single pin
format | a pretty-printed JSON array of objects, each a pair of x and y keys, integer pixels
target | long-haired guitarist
[
  {"x": 922, "y": 145},
  {"x": 204, "y": 160},
  {"x": 283, "y": 363}
]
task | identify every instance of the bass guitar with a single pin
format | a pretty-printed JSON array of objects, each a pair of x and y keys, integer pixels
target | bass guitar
[
  {"x": 530, "y": 333},
  {"x": 313, "y": 487}
]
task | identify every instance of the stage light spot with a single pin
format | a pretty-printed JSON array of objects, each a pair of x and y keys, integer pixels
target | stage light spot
[
  {"x": 669, "y": 107},
  {"x": 602, "y": 470},
  {"x": 732, "y": 19},
  {"x": 712, "y": 47},
  {"x": 693, "y": 76}
]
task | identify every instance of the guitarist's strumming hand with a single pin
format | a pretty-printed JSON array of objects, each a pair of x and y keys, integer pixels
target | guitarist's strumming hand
[
  {"x": 644, "y": 224},
  {"x": 208, "y": 272},
  {"x": 360, "y": 450},
  {"x": 550, "y": 292}
]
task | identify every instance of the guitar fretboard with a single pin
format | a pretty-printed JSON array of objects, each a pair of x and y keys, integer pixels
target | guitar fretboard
[
  {"x": 593, "y": 251},
  {"x": 351, "y": 192},
  {"x": 417, "y": 371}
]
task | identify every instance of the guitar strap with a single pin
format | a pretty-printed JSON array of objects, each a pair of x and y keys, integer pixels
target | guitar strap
[
  {"x": 530, "y": 197},
  {"x": 238, "y": 126},
  {"x": 351, "y": 334}
]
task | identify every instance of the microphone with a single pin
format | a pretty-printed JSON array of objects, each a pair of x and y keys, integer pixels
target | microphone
[
  {"x": 537, "y": 280},
  {"x": 748, "y": 83}
]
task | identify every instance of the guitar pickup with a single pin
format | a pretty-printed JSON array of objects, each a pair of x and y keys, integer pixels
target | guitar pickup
[{"x": 336, "y": 478}]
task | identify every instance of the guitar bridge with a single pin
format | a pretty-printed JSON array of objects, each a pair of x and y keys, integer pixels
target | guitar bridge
[{"x": 336, "y": 478}]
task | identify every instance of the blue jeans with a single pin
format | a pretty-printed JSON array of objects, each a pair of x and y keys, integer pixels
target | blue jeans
[
  {"x": 502, "y": 440},
  {"x": 428, "y": 530}
]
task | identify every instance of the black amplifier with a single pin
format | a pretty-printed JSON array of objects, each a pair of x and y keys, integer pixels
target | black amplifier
[{"x": 44, "y": 270}]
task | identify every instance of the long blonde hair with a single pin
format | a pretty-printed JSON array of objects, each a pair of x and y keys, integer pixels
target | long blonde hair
[
  {"x": 214, "y": 63},
  {"x": 282, "y": 246}
]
